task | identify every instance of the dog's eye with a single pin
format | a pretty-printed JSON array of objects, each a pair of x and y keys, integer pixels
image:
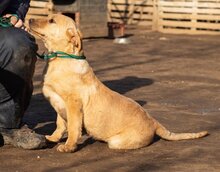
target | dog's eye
[{"x": 52, "y": 21}]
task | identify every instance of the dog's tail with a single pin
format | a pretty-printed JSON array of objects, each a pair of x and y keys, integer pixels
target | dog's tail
[{"x": 167, "y": 135}]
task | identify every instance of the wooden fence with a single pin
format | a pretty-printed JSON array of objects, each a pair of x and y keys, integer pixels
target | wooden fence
[
  {"x": 139, "y": 12},
  {"x": 39, "y": 9},
  {"x": 191, "y": 16},
  {"x": 169, "y": 16}
]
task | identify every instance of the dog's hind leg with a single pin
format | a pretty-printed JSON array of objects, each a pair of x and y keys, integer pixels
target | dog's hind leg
[{"x": 129, "y": 140}]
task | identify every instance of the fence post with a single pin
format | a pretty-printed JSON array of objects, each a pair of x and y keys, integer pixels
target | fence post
[
  {"x": 130, "y": 13},
  {"x": 155, "y": 15},
  {"x": 194, "y": 15},
  {"x": 109, "y": 5}
]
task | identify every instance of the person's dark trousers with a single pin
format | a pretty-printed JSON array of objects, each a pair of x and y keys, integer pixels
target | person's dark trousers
[
  {"x": 3, "y": 5},
  {"x": 17, "y": 63}
]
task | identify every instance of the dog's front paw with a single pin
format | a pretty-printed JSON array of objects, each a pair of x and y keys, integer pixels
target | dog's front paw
[
  {"x": 65, "y": 149},
  {"x": 52, "y": 139}
]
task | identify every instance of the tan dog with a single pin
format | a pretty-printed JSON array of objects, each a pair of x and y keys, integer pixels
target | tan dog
[{"x": 79, "y": 98}]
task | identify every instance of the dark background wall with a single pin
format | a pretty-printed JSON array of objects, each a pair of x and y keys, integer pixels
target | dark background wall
[{"x": 93, "y": 17}]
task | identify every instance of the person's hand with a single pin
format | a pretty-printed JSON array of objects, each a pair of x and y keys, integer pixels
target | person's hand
[{"x": 16, "y": 22}]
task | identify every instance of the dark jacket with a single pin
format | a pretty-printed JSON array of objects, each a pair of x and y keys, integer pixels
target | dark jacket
[{"x": 19, "y": 7}]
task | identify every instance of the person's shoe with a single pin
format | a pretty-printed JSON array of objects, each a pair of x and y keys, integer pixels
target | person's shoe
[{"x": 23, "y": 138}]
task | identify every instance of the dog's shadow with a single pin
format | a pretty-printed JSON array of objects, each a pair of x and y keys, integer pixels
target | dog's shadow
[
  {"x": 41, "y": 116},
  {"x": 128, "y": 83}
]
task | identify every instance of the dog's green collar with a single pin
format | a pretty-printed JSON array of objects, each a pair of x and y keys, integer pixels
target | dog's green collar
[{"x": 60, "y": 54}]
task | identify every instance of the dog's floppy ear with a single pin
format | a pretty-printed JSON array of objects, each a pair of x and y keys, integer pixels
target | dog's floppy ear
[{"x": 75, "y": 37}]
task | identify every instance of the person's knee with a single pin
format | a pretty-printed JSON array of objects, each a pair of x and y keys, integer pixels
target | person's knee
[
  {"x": 18, "y": 52},
  {"x": 18, "y": 39}
]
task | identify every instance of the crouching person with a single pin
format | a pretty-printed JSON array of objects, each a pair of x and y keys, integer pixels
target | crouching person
[{"x": 17, "y": 63}]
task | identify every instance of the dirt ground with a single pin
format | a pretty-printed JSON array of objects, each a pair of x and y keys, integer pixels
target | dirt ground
[{"x": 175, "y": 77}]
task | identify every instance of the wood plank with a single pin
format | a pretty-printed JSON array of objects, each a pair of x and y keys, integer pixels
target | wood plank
[
  {"x": 47, "y": 1},
  {"x": 39, "y": 4},
  {"x": 35, "y": 16},
  {"x": 208, "y": 11},
  {"x": 209, "y": 4},
  {"x": 208, "y": 0},
  {"x": 176, "y": 10},
  {"x": 144, "y": 23},
  {"x": 136, "y": 2},
  {"x": 175, "y": 3},
  {"x": 135, "y": 15},
  {"x": 41, "y": 11},
  {"x": 213, "y": 26},
  {"x": 189, "y": 16},
  {"x": 122, "y": 8},
  {"x": 140, "y": 22},
  {"x": 145, "y": 10},
  {"x": 190, "y": 10},
  {"x": 135, "y": 22},
  {"x": 183, "y": 24},
  {"x": 190, "y": 32},
  {"x": 189, "y": 24},
  {"x": 117, "y": 20},
  {"x": 206, "y": 4}
]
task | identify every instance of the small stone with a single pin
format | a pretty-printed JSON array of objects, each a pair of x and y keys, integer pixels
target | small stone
[{"x": 163, "y": 39}]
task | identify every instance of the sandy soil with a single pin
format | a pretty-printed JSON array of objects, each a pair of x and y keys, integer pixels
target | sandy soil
[{"x": 175, "y": 77}]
